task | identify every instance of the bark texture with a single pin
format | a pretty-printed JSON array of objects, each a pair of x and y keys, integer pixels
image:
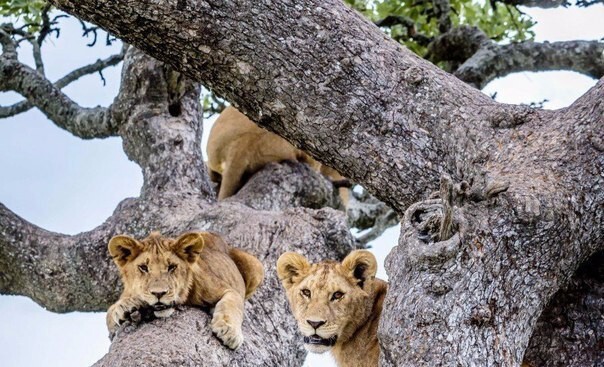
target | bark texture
[
  {"x": 551, "y": 3},
  {"x": 474, "y": 58},
  {"x": 74, "y": 75},
  {"x": 524, "y": 197},
  {"x": 570, "y": 331},
  {"x": 538, "y": 3}
]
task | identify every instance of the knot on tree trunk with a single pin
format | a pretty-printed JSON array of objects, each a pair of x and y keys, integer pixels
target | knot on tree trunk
[
  {"x": 433, "y": 228},
  {"x": 512, "y": 116}
]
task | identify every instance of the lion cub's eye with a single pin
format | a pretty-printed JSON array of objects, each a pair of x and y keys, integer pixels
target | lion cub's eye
[
  {"x": 143, "y": 268},
  {"x": 337, "y": 295},
  {"x": 305, "y": 293},
  {"x": 171, "y": 268}
]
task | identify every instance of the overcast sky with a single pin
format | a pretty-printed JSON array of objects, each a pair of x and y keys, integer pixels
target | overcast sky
[{"x": 70, "y": 185}]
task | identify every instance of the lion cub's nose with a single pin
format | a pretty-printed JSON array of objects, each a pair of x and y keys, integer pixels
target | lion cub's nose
[
  {"x": 159, "y": 295},
  {"x": 315, "y": 324}
]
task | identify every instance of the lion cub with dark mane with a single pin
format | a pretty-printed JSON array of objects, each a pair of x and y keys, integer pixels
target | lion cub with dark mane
[
  {"x": 337, "y": 305},
  {"x": 197, "y": 269}
]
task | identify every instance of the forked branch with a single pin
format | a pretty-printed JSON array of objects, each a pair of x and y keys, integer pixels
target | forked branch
[{"x": 97, "y": 66}]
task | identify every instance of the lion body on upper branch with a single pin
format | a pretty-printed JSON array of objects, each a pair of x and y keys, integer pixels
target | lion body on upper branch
[
  {"x": 238, "y": 148},
  {"x": 337, "y": 306},
  {"x": 197, "y": 269}
]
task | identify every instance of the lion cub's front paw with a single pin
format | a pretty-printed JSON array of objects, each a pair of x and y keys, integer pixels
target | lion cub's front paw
[
  {"x": 120, "y": 312},
  {"x": 231, "y": 335}
]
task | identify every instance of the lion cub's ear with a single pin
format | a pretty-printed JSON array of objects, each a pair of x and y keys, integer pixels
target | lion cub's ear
[
  {"x": 124, "y": 249},
  {"x": 188, "y": 246},
  {"x": 361, "y": 265},
  {"x": 290, "y": 267}
]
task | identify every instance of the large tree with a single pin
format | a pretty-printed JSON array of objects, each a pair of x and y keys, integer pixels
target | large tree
[{"x": 500, "y": 204}]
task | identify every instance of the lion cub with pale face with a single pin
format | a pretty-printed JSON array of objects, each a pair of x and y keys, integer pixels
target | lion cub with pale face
[
  {"x": 337, "y": 306},
  {"x": 197, "y": 269},
  {"x": 238, "y": 148}
]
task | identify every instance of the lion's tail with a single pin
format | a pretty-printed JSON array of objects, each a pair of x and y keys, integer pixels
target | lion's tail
[{"x": 250, "y": 268}]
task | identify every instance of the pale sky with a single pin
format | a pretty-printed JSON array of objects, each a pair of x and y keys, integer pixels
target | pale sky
[{"x": 69, "y": 185}]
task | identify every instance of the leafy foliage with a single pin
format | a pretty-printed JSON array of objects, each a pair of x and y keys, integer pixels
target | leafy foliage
[
  {"x": 212, "y": 104},
  {"x": 28, "y": 11},
  {"x": 502, "y": 23}
]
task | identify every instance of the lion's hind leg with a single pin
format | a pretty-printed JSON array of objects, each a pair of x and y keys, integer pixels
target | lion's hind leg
[
  {"x": 232, "y": 179},
  {"x": 227, "y": 319}
]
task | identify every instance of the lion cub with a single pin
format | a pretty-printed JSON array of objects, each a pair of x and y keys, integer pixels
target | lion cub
[
  {"x": 197, "y": 269},
  {"x": 238, "y": 148},
  {"x": 337, "y": 306}
]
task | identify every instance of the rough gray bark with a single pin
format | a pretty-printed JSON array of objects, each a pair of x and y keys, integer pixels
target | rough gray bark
[
  {"x": 457, "y": 45},
  {"x": 496, "y": 61},
  {"x": 74, "y": 75},
  {"x": 570, "y": 331},
  {"x": 551, "y": 3},
  {"x": 538, "y": 3},
  {"x": 366, "y": 212},
  {"x": 474, "y": 58},
  {"x": 528, "y": 183}
]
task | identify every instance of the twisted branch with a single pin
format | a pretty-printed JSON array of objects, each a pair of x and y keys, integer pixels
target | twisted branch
[
  {"x": 495, "y": 61},
  {"x": 83, "y": 122},
  {"x": 97, "y": 66},
  {"x": 477, "y": 60}
]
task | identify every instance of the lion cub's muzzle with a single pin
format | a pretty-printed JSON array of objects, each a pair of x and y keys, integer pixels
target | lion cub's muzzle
[
  {"x": 163, "y": 309},
  {"x": 160, "y": 306},
  {"x": 317, "y": 340}
]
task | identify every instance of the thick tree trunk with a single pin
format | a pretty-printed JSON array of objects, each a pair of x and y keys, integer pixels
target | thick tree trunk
[{"x": 524, "y": 212}]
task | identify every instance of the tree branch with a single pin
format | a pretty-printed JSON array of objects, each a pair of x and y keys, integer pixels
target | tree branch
[
  {"x": 494, "y": 61},
  {"x": 442, "y": 11},
  {"x": 586, "y": 3},
  {"x": 37, "y": 55},
  {"x": 382, "y": 222},
  {"x": 537, "y": 3},
  {"x": 189, "y": 335},
  {"x": 85, "y": 123},
  {"x": 477, "y": 60},
  {"x": 546, "y": 4},
  {"x": 9, "y": 47},
  {"x": 365, "y": 212},
  {"x": 97, "y": 66},
  {"x": 407, "y": 23},
  {"x": 286, "y": 190},
  {"x": 52, "y": 269},
  {"x": 457, "y": 46}
]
